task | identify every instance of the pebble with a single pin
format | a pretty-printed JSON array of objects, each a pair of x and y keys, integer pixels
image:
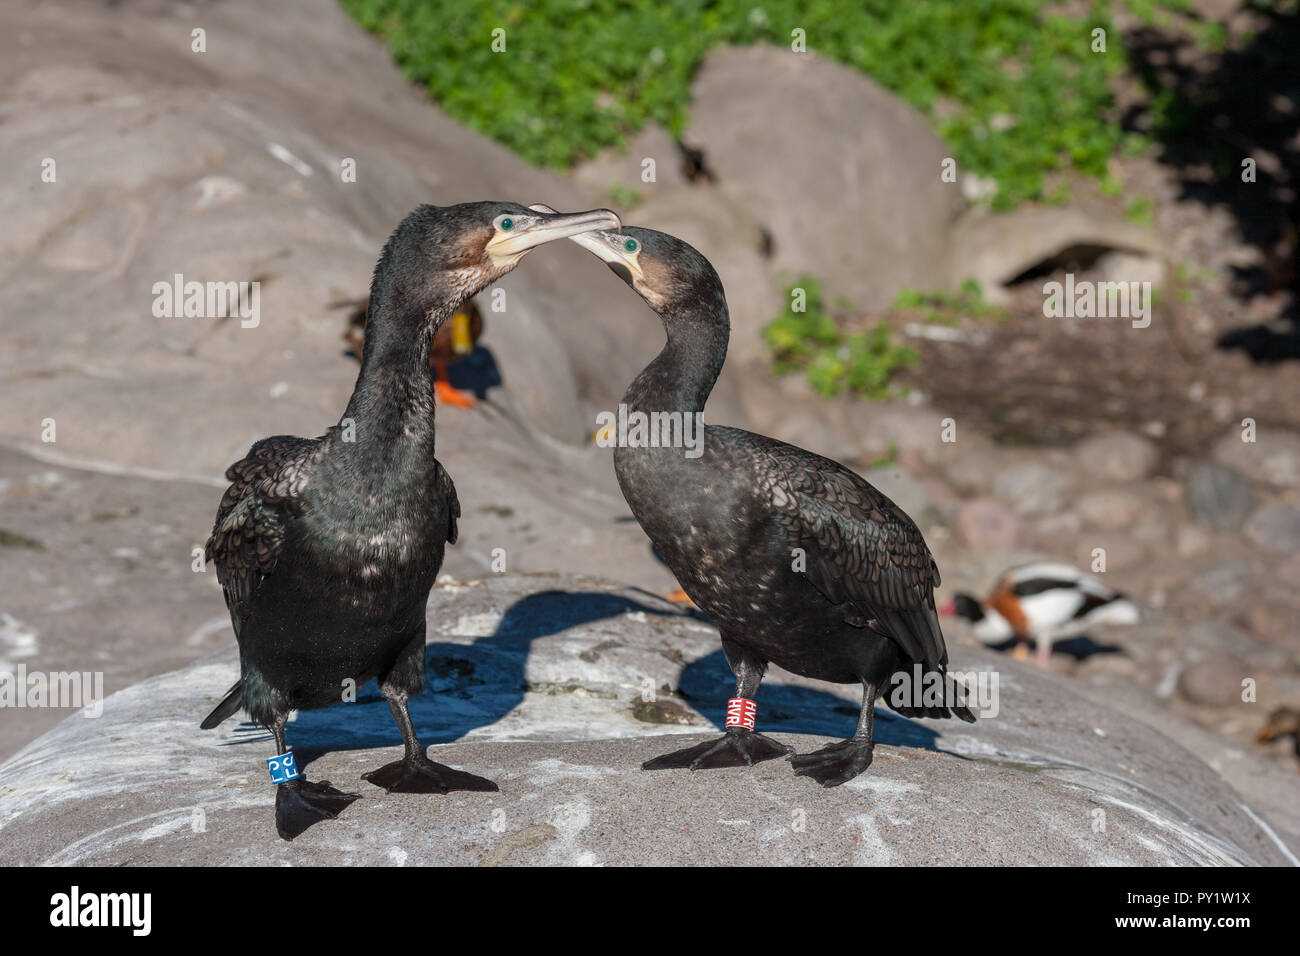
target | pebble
[
  {"x": 1031, "y": 487},
  {"x": 1218, "y": 496},
  {"x": 1118, "y": 456},
  {"x": 985, "y": 525},
  {"x": 1213, "y": 682},
  {"x": 1273, "y": 457},
  {"x": 1275, "y": 528}
]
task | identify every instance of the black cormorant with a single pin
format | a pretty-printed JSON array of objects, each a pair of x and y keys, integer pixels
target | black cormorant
[
  {"x": 798, "y": 560},
  {"x": 327, "y": 548}
]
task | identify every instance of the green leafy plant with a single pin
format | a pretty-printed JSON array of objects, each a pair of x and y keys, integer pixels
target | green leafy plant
[
  {"x": 946, "y": 308},
  {"x": 1013, "y": 85},
  {"x": 833, "y": 360}
]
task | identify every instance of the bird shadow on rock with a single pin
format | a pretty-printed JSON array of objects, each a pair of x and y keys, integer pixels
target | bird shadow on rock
[
  {"x": 467, "y": 686},
  {"x": 707, "y": 684},
  {"x": 1080, "y": 648}
]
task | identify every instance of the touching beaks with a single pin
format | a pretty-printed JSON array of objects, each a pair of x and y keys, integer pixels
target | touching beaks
[
  {"x": 527, "y": 233},
  {"x": 607, "y": 245}
]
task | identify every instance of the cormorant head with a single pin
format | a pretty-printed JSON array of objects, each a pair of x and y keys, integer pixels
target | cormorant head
[
  {"x": 669, "y": 274},
  {"x": 441, "y": 255}
]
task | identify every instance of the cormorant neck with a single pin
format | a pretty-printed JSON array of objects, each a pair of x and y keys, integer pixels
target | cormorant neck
[
  {"x": 394, "y": 395},
  {"x": 682, "y": 375}
]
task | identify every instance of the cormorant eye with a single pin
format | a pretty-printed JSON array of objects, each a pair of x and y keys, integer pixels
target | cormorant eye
[
  {"x": 505, "y": 224},
  {"x": 631, "y": 245}
]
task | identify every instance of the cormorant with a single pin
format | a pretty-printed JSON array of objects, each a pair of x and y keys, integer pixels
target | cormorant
[
  {"x": 798, "y": 560},
  {"x": 453, "y": 341},
  {"x": 1041, "y": 603},
  {"x": 327, "y": 548}
]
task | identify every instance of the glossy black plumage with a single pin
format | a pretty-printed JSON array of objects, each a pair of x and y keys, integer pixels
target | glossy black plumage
[
  {"x": 327, "y": 548},
  {"x": 798, "y": 560}
]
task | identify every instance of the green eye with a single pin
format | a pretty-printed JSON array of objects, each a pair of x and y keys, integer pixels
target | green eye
[
  {"x": 630, "y": 245},
  {"x": 507, "y": 224}
]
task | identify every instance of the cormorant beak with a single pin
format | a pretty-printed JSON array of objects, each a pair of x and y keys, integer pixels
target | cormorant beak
[
  {"x": 527, "y": 234},
  {"x": 606, "y": 245}
]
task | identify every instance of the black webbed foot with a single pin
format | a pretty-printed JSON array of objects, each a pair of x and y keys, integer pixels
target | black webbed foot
[
  {"x": 835, "y": 764},
  {"x": 301, "y": 803},
  {"x": 422, "y": 775},
  {"x": 736, "y": 748}
]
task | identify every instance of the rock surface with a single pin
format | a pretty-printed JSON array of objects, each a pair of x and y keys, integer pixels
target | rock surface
[
  {"x": 764, "y": 117},
  {"x": 537, "y": 681}
]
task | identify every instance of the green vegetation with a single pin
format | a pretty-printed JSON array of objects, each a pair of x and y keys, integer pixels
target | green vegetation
[
  {"x": 835, "y": 361},
  {"x": 1012, "y": 85},
  {"x": 10, "y": 539},
  {"x": 1141, "y": 210},
  {"x": 946, "y": 308},
  {"x": 890, "y": 457}
]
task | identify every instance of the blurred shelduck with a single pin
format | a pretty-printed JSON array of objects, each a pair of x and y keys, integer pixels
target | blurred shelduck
[{"x": 1042, "y": 602}]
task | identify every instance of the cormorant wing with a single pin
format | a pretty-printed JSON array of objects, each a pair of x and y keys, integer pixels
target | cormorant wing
[
  {"x": 453, "y": 503},
  {"x": 860, "y": 548},
  {"x": 265, "y": 491}
]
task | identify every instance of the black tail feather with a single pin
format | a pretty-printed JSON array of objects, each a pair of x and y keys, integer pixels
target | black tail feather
[
  {"x": 233, "y": 700},
  {"x": 955, "y": 692}
]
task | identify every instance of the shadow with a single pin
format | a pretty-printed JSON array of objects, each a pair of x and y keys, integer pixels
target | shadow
[
  {"x": 1209, "y": 112},
  {"x": 467, "y": 686},
  {"x": 1080, "y": 648},
  {"x": 707, "y": 684},
  {"x": 476, "y": 684}
]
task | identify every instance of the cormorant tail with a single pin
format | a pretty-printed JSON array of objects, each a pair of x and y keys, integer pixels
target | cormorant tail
[
  {"x": 959, "y": 711},
  {"x": 233, "y": 700}
]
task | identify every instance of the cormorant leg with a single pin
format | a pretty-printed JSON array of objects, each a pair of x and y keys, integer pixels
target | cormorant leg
[
  {"x": 415, "y": 773},
  {"x": 300, "y": 803},
  {"x": 739, "y": 746},
  {"x": 839, "y": 763}
]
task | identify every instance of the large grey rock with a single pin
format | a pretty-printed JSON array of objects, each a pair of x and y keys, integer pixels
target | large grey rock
[
  {"x": 845, "y": 174},
  {"x": 537, "y": 682},
  {"x": 997, "y": 248},
  {"x": 96, "y": 565}
]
